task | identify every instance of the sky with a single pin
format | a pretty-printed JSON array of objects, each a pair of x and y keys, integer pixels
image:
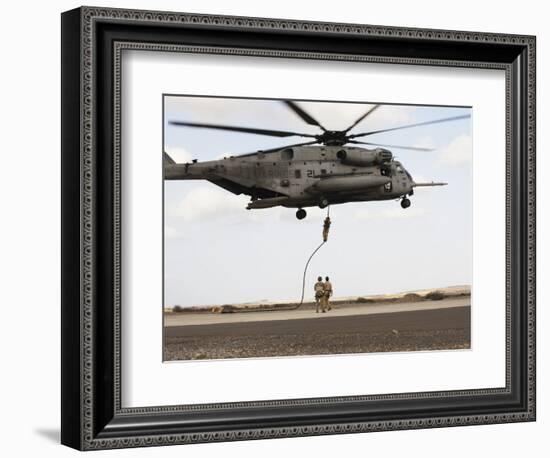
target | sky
[{"x": 217, "y": 252}]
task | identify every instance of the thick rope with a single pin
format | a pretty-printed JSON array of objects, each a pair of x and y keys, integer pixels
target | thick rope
[
  {"x": 305, "y": 273},
  {"x": 307, "y": 265}
]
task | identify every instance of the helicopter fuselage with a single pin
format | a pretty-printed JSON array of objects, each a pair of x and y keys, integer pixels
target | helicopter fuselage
[
  {"x": 306, "y": 174},
  {"x": 303, "y": 176}
]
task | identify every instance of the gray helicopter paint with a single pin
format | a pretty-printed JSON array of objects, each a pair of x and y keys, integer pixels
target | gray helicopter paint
[{"x": 303, "y": 176}]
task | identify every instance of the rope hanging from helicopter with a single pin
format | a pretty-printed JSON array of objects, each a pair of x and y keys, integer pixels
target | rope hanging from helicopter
[
  {"x": 326, "y": 227},
  {"x": 342, "y": 152}
]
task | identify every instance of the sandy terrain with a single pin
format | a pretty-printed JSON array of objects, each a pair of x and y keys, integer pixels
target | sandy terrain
[
  {"x": 348, "y": 328},
  {"x": 338, "y": 309},
  {"x": 449, "y": 292}
]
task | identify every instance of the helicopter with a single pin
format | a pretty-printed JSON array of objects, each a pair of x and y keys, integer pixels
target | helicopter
[{"x": 327, "y": 169}]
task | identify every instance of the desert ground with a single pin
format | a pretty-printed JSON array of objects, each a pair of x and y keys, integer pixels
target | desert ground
[{"x": 414, "y": 321}]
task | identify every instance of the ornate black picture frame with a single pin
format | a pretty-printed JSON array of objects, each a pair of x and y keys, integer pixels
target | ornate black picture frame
[{"x": 92, "y": 415}]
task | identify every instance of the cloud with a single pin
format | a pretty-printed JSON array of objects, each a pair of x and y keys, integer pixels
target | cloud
[
  {"x": 206, "y": 203},
  {"x": 425, "y": 142},
  {"x": 390, "y": 213},
  {"x": 458, "y": 151},
  {"x": 420, "y": 179},
  {"x": 179, "y": 154},
  {"x": 226, "y": 110},
  {"x": 274, "y": 114},
  {"x": 171, "y": 232},
  {"x": 342, "y": 115},
  {"x": 400, "y": 213}
]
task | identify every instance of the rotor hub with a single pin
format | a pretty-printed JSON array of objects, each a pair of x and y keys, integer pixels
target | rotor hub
[
  {"x": 333, "y": 138},
  {"x": 327, "y": 137}
]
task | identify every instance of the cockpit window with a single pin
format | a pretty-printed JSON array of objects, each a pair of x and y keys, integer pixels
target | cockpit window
[{"x": 399, "y": 169}]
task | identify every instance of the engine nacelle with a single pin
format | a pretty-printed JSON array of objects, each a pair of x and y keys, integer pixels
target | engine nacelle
[{"x": 364, "y": 158}]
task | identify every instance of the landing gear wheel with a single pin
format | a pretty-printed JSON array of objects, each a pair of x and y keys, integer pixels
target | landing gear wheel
[
  {"x": 301, "y": 213},
  {"x": 323, "y": 203},
  {"x": 405, "y": 203}
]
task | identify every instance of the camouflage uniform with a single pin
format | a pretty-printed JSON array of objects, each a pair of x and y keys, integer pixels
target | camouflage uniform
[
  {"x": 328, "y": 294},
  {"x": 319, "y": 289},
  {"x": 326, "y": 227}
]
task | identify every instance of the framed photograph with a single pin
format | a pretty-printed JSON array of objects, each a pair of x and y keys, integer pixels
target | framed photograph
[
  {"x": 276, "y": 228},
  {"x": 206, "y": 196}
]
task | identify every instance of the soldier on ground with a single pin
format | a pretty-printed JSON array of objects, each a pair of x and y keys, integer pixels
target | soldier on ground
[
  {"x": 328, "y": 293},
  {"x": 319, "y": 289}
]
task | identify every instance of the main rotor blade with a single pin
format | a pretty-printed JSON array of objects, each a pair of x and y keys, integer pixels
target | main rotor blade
[
  {"x": 273, "y": 150},
  {"x": 408, "y": 126},
  {"x": 370, "y": 111},
  {"x": 303, "y": 114},
  {"x": 415, "y": 148},
  {"x": 247, "y": 130}
]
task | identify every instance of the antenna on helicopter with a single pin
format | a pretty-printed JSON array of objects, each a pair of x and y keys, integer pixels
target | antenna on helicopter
[{"x": 354, "y": 170}]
